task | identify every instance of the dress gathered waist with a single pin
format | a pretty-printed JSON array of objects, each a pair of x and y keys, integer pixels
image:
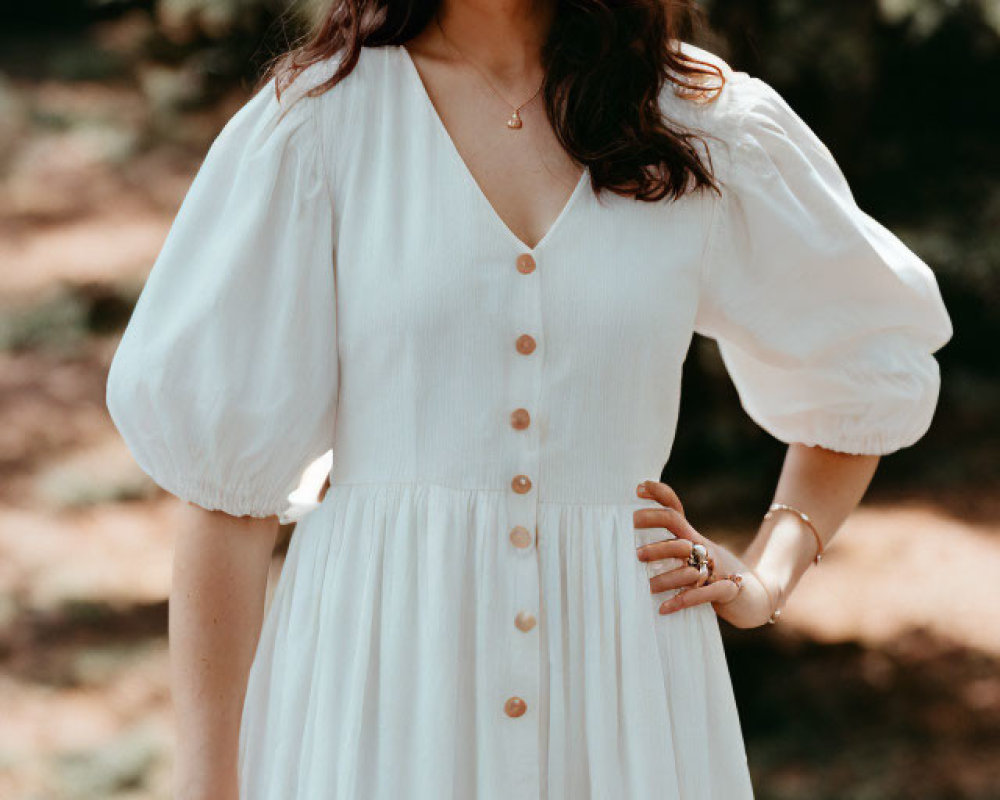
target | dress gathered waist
[{"x": 417, "y": 489}]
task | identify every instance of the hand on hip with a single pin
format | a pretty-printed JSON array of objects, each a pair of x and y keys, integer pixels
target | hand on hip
[{"x": 709, "y": 573}]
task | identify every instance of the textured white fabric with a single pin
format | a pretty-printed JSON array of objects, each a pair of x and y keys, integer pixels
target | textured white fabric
[{"x": 336, "y": 281}]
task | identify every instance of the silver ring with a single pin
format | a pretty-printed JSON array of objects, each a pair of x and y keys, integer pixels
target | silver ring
[{"x": 698, "y": 558}]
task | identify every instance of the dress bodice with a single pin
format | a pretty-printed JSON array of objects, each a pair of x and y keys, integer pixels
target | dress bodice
[{"x": 336, "y": 280}]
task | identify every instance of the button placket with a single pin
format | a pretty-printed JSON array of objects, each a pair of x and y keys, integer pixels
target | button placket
[{"x": 519, "y": 696}]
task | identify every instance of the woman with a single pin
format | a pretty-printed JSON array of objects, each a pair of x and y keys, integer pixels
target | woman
[{"x": 465, "y": 248}]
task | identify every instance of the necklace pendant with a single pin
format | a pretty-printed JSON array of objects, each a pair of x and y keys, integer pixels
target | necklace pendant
[{"x": 515, "y": 121}]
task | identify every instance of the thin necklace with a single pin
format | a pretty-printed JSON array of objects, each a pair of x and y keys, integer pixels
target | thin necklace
[{"x": 514, "y": 122}]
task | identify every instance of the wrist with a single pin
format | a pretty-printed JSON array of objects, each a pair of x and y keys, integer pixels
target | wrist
[
  {"x": 804, "y": 521},
  {"x": 774, "y": 592}
]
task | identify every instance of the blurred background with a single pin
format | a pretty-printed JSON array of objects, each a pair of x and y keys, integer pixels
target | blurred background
[{"x": 881, "y": 679}]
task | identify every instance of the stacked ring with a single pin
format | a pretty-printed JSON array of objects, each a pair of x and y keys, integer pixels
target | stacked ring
[{"x": 735, "y": 577}]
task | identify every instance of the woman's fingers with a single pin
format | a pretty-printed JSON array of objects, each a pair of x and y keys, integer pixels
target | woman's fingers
[
  {"x": 668, "y": 518},
  {"x": 659, "y": 491},
  {"x": 673, "y": 579},
  {"x": 669, "y": 548},
  {"x": 671, "y": 517},
  {"x": 720, "y": 591}
]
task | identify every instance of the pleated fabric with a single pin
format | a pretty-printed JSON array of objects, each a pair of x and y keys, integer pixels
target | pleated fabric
[{"x": 374, "y": 672}]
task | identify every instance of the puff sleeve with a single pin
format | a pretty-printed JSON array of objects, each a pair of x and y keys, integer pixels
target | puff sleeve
[
  {"x": 224, "y": 383},
  {"x": 827, "y": 323}
]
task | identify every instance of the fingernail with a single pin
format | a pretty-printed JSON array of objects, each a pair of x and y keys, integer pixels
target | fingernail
[
  {"x": 641, "y": 553},
  {"x": 641, "y": 490},
  {"x": 667, "y": 607}
]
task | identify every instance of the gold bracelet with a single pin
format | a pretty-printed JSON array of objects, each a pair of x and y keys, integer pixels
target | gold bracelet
[
  {"x": 770, "y": 600},
  {"x": 805, "y": 518}
]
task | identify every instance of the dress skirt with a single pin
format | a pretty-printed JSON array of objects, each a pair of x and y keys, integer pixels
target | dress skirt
[{"x": 399, "y": 629}]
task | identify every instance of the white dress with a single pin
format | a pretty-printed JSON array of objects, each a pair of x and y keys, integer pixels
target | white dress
[{"x": 335, "y": 280}]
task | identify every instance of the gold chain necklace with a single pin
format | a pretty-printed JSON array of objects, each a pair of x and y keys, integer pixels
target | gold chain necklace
[{"x": 514, "y": 122}]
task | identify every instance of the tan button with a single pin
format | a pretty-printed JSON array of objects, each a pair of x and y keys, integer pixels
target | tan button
[
  {"x": 524, "y": 621},
  {"x": 525, "y": 344},
  {"x": 515, "y": 706},
  {"x": 519, "y": 536},
  {"x": 525, "y": 263},
  {"x": 521, "y": 484},
  {"x": 520, "y": 418}
]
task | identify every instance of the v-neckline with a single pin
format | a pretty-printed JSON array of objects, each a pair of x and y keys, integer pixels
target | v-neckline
[{"x": 463, "y": 167}]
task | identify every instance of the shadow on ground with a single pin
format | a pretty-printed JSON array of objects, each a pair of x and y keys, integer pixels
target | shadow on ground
[{"x": 917, "y": 718}]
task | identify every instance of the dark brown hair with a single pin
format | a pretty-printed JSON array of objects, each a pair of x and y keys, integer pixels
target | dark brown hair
[{"x": 606, "y": 63}]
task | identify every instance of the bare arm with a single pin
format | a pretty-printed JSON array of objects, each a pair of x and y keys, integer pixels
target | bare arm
[
  {"x": 216, "y": 610},
  {"x": 824, "y": 484}
]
